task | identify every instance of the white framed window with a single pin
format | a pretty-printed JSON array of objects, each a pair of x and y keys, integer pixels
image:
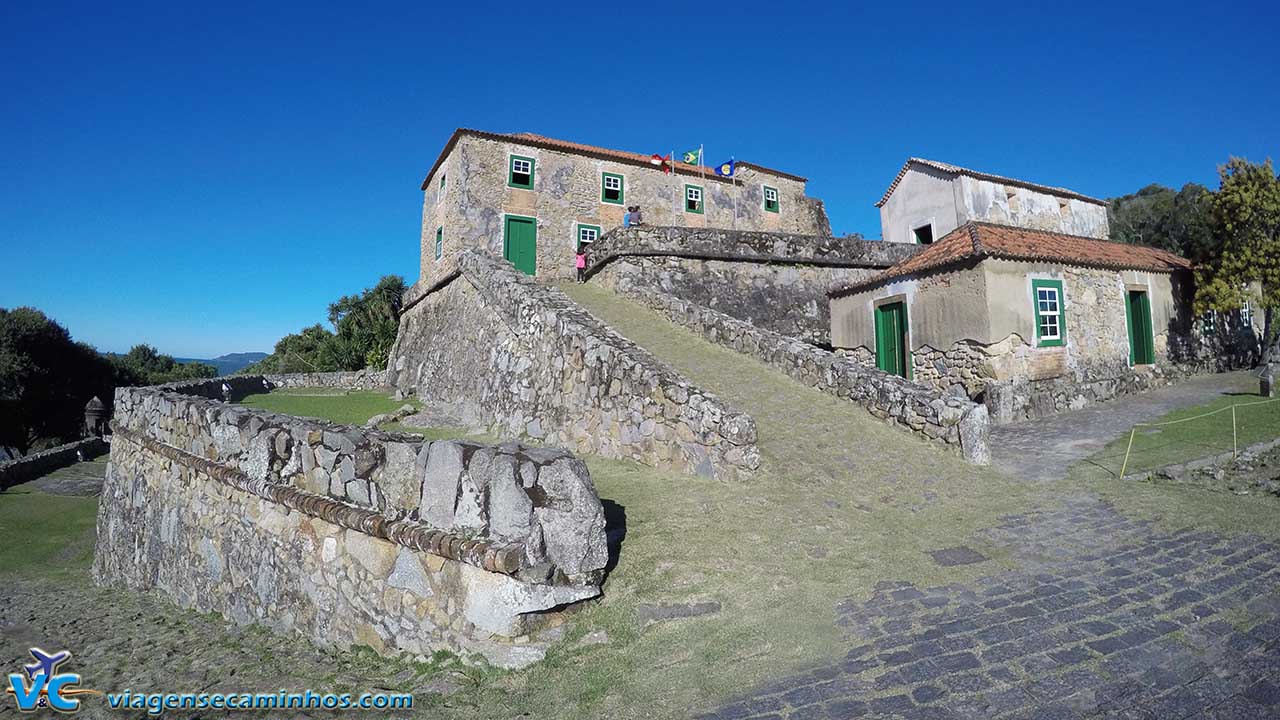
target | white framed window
[
  {"x": 588, "y": 234},
  {"x": 1050, "y": 329},
  {"x": 770, "y": 199},
  {"x": 693, "y": 199},
  {"x": 1246, "y": 313},
  {"x": 1209, "y": 323}
]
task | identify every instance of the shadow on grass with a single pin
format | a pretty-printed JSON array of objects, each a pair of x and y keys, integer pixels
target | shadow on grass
[{"x": 615, "y": 530}]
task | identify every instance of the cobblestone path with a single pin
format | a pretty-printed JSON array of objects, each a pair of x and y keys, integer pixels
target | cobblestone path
[
  {"x": 82, "y": 479},
  {"x": 1043, "y": 449},
  {"x": 1106, "y": 619}
]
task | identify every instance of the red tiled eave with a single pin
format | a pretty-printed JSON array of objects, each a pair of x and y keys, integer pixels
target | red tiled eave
[{"x": 977, "y": 241}]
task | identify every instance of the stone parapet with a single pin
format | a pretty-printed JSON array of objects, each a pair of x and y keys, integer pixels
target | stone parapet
[
  {"x": 775, "y": 281},
  {"x": 745, "y": 246},
  {"x": 524, "y": 360},
  {"x": 347, "y": 535},
  {"x": 30, "y": 467},
  {"x": 945, "y": 419}
]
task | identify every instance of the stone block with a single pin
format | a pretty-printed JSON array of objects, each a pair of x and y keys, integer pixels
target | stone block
[{"x": 442, "y": 469}]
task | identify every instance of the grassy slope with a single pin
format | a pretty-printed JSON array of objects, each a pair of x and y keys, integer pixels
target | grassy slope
[
  {"x": 46, "y": 536},
  {"x": 1193, "y": 436},
  {"x": 349, "y": 408}
]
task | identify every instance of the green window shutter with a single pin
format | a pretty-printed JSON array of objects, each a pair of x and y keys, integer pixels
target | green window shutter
[
  {"x": 520, "y": 169},
  {"x": 439, "y": 242},
  {"x": 441, "y": 181},
  {"x": 694, "y": 202},
  {"x": 1048, "y": 305},
  {"x": 611, "y": 188},
  {"x": 770, "y": 199}
]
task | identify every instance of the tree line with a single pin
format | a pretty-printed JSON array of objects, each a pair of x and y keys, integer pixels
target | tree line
[
  {"x": 1232, "y": 234},
  {"x": 46, "y": 378}
]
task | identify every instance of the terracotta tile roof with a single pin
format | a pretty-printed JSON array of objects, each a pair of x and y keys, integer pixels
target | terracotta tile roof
[
  {"x": 957, "y": 170},
  {"x": 621, "y": 156},
  {"x": 978, "y": 241}
]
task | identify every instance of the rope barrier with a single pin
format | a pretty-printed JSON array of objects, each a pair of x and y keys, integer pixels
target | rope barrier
[{"x": 1234, "y": 436}]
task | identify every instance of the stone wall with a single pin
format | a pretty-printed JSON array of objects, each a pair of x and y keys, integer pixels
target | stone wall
[
  {"x": 366, "y": 379},
  {"x": 345, "y": 535},
  {"x": 30, "y": 467},
  {"x": 469, "y": 208},
  {"x": 524, "y": 360},
  {"x": 772, "y": 280},
  {"x": 945, "y": 419}
]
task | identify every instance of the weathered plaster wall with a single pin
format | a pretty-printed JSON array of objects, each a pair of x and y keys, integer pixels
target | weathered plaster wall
[
  {"x": 475, "y": 198},
  {"x": 941, "y": 308},
  {"x": 340, "y": 534},
  {"x": 928, "y": 195},
  {"x": 987, "y": 201},
  {"x": 924, "y": 195},
  {"x": 950, "y": 420},
  {"x": 525, "y": 360},
  {"x": 775, "y": 281}
]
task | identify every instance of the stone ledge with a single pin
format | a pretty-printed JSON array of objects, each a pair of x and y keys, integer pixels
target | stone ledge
[
  {"x": 745, "y": 246},
  {"x": 505, "y": 559}
]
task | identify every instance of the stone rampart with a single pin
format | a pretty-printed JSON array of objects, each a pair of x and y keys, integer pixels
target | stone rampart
[
  {"x": 526, "y": 361},
  {"x": 345, "y": 535},
  {"x": 30, "y": 467},
  {"x": 942, "y": 418},
  {"x": 775, "y": 281}
]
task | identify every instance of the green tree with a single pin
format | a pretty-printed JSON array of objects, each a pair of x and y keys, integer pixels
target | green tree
[
  {"x": 1179, "y": 221},
  {"x": 365, "y": 327},
  {"x": 1247, "y": 212},
  {"x": 156, "y": 368},
  {"x": 46, "y": 378}
]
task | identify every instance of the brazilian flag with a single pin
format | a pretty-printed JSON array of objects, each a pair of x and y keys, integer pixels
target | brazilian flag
[{"x": 691, "y": 157}]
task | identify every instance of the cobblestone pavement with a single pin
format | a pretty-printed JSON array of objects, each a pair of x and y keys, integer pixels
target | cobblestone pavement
[
  {"x": 1105, "y": 618},
  {"x": 1043, "y": 449}
]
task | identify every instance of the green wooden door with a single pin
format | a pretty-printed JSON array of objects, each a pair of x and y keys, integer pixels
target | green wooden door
[
  {"x": 1141, "y": 339},
  {"x": 891, "y": 338},
  {"x": 520, "y": 243}
]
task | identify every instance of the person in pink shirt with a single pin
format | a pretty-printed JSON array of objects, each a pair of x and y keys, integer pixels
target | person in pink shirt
[{"x": 581, "y": 262}]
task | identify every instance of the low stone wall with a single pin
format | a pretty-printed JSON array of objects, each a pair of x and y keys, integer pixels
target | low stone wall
[
  {"x": 526, "y": 361},
  {"x": 23, "y": 469},
  {"x": 366, "y": 379},
  {"x": 947, "y": 419},
  {"x": 346, "y": 535},
  {"x": 772, "y": 280},
  {"x": 1020, "y": 398}
]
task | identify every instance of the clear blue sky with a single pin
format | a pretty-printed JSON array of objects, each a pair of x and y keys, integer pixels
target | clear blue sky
[{"x": 208, "y": 178}]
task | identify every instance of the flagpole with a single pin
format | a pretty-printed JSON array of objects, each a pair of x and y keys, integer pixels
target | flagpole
[{"x": 733, "y": 178}]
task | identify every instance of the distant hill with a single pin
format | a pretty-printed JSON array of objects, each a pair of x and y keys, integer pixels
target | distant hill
[{"x": 229, "y": 363}]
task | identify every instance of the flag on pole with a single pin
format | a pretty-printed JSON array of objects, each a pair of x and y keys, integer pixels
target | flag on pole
[
  {"x": 726, "y": 169},
  {"x": 663, "y": 162},
  {"x": 692, "y": 157}
]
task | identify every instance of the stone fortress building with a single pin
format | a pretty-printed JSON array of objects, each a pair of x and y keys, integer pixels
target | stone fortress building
[{"x": 533, "y": 199}]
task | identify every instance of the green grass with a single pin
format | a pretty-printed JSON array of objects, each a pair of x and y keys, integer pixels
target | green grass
[
  {"x": 1174, "y": 505},
  {"x": 48, "y": 536},
  {"x": 441, "y": 433},
  {"x": 348, "y": 408},
  {"x": 1195, "y": 434}
]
